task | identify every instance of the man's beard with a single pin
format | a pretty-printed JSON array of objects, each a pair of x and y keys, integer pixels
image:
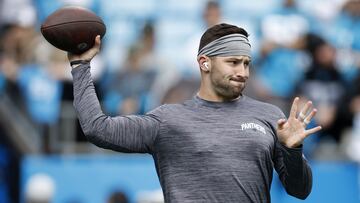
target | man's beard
[{"x": 225, "y": 89}]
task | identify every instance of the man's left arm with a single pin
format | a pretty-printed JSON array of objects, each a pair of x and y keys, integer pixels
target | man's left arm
[{"x": 293, "y": 169}]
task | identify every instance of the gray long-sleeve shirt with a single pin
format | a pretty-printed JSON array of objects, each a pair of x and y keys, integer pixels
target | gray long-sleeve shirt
[{"x": 203, "y": 151}]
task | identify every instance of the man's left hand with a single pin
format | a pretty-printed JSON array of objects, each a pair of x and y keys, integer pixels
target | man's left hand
[{"x": 292, "y": 132}]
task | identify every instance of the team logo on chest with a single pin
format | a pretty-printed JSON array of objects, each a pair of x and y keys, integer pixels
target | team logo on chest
[{"x": 254, "y": 126}]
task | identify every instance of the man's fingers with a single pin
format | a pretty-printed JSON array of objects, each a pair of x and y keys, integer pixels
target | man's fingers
[
  {"x": 310, "y": 116},
  {"x": 89, "y": 54},
  {"x": 304, "y": 111},
  {"x": 281, "y": 122},
  {"x": 96, "y": 47},
  {"x": 294, "y": 108},
  {"x": 312, "y": 131},
  {"x": 97, "y": 41}
]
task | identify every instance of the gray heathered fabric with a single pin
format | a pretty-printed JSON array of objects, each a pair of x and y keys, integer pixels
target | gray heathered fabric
[
  {"x": 228, "y": 45},
  {"x": 203, "y": 151}
]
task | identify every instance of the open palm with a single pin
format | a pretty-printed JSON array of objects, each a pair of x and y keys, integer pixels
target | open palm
[{"x": 292, "y": 132}]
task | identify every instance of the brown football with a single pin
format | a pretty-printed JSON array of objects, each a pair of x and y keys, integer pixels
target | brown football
[{"x": 73, "y": 29}]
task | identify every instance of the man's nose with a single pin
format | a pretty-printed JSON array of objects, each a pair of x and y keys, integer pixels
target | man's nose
[{"x": 242, "y": 71}]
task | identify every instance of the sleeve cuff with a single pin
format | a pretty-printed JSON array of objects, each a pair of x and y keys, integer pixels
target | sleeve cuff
[
  {"x": 292, "y": 151},
  {"x": 80, "y": 68}
]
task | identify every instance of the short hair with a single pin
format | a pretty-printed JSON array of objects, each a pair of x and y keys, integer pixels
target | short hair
[
  {"x": 212, "y": 4},
  {"x": 218, "y": 31},
  {"x": 313, "y": 42}
]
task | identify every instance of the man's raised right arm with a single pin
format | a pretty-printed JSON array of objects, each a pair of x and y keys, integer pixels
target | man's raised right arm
[{"x": 122, "y": 133}]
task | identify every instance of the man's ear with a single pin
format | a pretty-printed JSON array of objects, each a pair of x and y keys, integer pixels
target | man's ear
[{"x": 204, "y": 63}]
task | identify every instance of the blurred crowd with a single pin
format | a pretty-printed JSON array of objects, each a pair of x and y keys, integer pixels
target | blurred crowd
[
  {"x": 300, "y": 48},
  {"x": 148, "y": 58}
]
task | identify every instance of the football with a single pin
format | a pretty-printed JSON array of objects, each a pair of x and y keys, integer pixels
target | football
[{"x": 73, "y": 29}]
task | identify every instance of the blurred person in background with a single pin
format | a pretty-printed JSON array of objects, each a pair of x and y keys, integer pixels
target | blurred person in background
[
  {"x": 118, "y": 197},
  {"x": 324, "y": 85},
  {"x": 29, "y": 82},
  {"x": 283, "y": 26},
  {"x": 142, "y": 81},
  {"x": 181, "y": 91},
  {"x": 210, "y": 16},
  {"x": 17, "y": 19},
  {"x": 321, "y": 14},
  {"x": 280, "y": 64},
  {"x": 129, "y": 91},
  {"x": 349, "y": 20},
  {"x": 344, "y": 34},
  {"x": 212, "y": 13},
  {"x": 17, "y": 35},
  {"x": 166, "y": 73},
  {"x": 219, "y": 131},
  {"x": 12, "y": 55},
  {"x": 186, "y": 86}
]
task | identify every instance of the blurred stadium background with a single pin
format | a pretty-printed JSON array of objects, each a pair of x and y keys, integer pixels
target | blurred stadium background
[{"x": 300, "y": 47}]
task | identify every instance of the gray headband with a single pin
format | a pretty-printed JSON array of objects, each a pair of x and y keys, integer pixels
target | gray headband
[{"x": 228, "y": 45}]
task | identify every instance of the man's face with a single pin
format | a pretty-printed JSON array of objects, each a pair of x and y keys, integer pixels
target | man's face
[{"x": 228, "y": 75}]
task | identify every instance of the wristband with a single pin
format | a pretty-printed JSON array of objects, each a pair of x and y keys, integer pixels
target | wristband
[{"x": 77, "y": 62}]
